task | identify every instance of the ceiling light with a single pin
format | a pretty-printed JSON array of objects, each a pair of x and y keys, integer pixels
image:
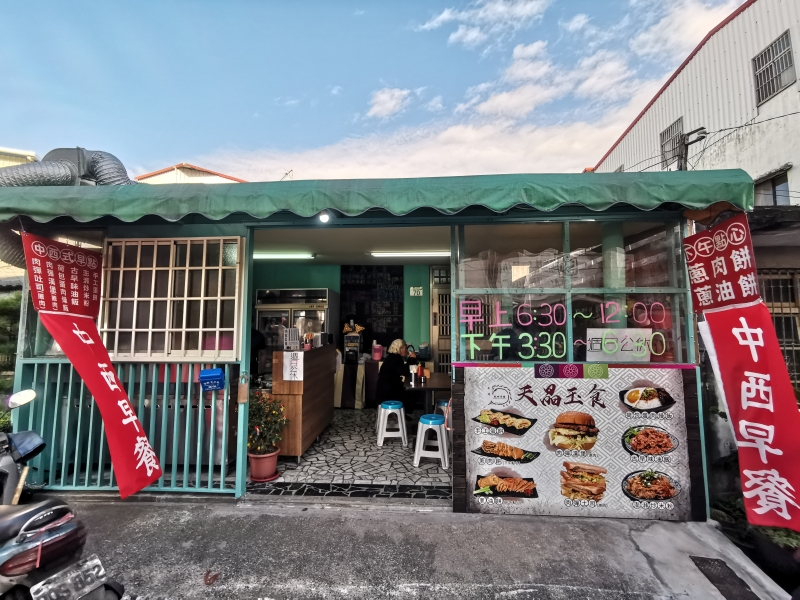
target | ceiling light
[
  {"x": 430, "y": 253},
  {"x": 282, "y": 255},
  {"x": 324, "y": 217}
]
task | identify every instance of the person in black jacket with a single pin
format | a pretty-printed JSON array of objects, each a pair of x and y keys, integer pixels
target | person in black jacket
[{"x": 393, "y": 369}]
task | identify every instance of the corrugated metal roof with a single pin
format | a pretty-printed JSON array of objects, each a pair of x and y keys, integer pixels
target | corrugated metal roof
[{"x": 448, "y": 195}]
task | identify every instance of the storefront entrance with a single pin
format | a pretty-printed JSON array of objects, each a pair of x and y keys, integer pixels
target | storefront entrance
[{"x": 391, "y": 284}]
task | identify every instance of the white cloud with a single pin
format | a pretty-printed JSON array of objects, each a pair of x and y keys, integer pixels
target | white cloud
[
  {"x": 576, "y": 23},
  {"x": 534, "y": 50},
  {"x": 435, "y": 104},
  {"x": 488, "y": 19},
  {"x": 388, "y": 102},
  {"x": 519, "y": 102},
  {"x": 335, "y": 90},
  {"x": 469, "y": 36},
  {"x": 685, "y": 24},
  {"x": 605, "y": 75},
  {"x": 464, "y": 149},
  {"x": 358, "y": 12}
]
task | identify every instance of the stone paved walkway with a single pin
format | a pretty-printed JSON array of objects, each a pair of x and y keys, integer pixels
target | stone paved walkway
[{"x": 347, "y": 452}]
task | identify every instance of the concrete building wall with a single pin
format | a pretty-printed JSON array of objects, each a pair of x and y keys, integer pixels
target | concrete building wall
[{"x": 716, "y": 90}]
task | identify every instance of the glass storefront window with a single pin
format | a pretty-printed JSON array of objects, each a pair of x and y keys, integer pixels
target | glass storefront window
[
  {"x": 625, "y": 254},
  {"x": 619, "y": 298},
  {"x": 512, "y": 256},
  {"x": 628, "y": 328},
  {"x": 503, "y": 327}
]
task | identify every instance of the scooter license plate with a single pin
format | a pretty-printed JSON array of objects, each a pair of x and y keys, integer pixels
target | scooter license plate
[{"x": 73, "y": 582}]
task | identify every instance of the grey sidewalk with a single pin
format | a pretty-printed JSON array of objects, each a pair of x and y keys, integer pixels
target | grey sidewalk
[{"x": 297, "y": 550}]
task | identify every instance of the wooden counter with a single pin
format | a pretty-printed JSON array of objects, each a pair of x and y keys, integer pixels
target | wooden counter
[{"x": 308, "y": 403}]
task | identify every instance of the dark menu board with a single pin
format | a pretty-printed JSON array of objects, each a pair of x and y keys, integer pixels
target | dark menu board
[{"x": 373, "y": 297}]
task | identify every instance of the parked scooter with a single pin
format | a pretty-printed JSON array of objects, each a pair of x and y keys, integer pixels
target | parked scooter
[{"x": 40, "y": 543}]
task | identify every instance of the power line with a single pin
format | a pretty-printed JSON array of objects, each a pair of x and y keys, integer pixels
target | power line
[
  {"x": 756, "y": 122},
  {"x": 707, "y": 145}
]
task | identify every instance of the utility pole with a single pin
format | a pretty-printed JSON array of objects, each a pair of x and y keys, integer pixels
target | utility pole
[{"x": 685, "y": 142}]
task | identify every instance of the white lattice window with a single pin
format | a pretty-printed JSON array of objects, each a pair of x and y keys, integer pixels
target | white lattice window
[
  {"x": 774, "y": 68},
  {"x": 173, "y": 298}
]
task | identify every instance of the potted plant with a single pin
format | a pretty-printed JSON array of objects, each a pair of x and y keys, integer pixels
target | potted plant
[{"x": 266, "y": 422}]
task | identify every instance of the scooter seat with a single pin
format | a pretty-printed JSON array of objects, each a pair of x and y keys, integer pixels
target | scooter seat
[{"x": 13, "y": 517}]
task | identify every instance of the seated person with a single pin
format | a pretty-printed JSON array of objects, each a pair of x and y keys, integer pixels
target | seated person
[{"x": 393, "y": 369}]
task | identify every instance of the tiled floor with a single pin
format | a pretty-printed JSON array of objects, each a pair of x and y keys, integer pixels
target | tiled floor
[
  {"x": 331, "y": 490},
  {"x": 347, "y": 453}
]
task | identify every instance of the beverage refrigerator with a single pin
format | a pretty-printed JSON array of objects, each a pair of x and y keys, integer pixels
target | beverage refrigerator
[{"x": 309, "y": 310}]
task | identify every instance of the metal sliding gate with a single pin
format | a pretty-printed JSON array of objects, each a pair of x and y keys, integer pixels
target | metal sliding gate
[{"x": 193, "y": 433}]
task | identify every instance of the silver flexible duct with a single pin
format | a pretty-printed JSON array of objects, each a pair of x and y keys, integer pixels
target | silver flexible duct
[
  {"x": 59, "y": 172},
  {"x": 60, "y": 167}
]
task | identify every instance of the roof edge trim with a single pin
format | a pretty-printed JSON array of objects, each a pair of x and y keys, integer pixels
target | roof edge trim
[{"x": 674, "y": 76}]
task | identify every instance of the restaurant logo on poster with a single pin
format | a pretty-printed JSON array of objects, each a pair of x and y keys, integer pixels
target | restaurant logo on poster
[{"x": 721, "y": 265}]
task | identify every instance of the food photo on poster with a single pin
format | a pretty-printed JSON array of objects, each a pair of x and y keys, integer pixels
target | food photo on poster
[{"x": 610, "y": 442}]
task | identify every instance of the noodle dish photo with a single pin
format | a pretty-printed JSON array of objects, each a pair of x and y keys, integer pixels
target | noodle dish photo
[
  {"x": 650, "y": 485},
  {"x": 649, "y": 440}
]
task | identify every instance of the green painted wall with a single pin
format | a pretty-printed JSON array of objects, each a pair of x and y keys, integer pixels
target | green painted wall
[
  {"x": 268, "y": 274},
  {"x": 417, "y": 310}
]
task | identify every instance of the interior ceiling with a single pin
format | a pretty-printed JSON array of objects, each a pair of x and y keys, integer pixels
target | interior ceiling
[{"x": 352, "y": 246}]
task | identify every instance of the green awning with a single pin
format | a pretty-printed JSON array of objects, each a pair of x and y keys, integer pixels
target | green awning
[{"x": 449, "y": 195}]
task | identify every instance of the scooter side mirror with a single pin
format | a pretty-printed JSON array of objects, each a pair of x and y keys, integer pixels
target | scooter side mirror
[{"x": 21, "y": 398}]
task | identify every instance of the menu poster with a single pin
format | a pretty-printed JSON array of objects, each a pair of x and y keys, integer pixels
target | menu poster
[{"x": 596, "y": 441}]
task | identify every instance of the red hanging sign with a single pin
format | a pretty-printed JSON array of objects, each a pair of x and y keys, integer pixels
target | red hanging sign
[
  {"x": 721, "y": 265},
  {"x": 65, "y": 288},
  {"x": 762, "y": 410}
]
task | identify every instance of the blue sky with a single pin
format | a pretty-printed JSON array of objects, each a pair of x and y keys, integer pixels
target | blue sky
[{"x": 340, "y": 89}]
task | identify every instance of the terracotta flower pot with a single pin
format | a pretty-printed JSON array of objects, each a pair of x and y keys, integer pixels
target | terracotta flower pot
[{"x": 263, "y": 467}]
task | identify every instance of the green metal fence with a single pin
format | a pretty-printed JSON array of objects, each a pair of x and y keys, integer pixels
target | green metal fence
[{"x": 193, "y": 433}]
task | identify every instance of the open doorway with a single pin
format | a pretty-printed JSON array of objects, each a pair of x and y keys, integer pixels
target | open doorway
[{"x": 384, "y": 284}]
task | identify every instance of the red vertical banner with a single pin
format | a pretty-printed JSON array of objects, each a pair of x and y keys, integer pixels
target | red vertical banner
[
  {"x": 762, "y": 410},
  {"x": 65, "y": 289},
  {"x": 750, "y": 370}
]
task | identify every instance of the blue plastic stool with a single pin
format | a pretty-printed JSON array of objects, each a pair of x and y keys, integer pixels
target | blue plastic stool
[
  {"x": 391, "y": 407},
  {"x": 435, "y": 423}
]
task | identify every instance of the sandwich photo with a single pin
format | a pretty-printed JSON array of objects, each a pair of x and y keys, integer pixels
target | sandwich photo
[
  {"x": 573, "y": 430},
  {"x": 580, "y": 481}
]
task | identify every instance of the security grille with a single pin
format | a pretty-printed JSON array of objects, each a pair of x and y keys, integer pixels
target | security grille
[
  {"x": 671, "y": 143},
  {"x": 779, "y": 289},
  {"x": 774, "y": 69}
]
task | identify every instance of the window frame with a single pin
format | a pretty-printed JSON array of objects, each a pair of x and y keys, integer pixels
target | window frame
[
  {"x": 683, "y": 332},
  {"x": 670, "y": 143},
  {"x": 778, "y": 55},
  {"x": 171, "y": 354}
]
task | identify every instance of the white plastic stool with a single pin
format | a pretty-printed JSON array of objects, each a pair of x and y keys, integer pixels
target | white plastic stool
[
  {"x": 435, "y": 423},
  {"x": 391, "y": 407},
  {"x": 445, "y": 406}
]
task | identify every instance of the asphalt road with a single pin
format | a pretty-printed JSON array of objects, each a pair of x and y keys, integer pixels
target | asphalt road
[{"x": 281, "y": 551}]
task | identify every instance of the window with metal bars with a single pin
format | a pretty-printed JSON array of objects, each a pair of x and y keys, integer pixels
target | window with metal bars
[
  {"x": 779, "y": 289},
  {"x": 774, "y": 69},
  {"x": 172, "y": 298},
  {"x": 670, "y": 140}
]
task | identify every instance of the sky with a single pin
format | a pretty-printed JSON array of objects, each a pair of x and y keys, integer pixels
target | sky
[{"x": 339, "y": 89}]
